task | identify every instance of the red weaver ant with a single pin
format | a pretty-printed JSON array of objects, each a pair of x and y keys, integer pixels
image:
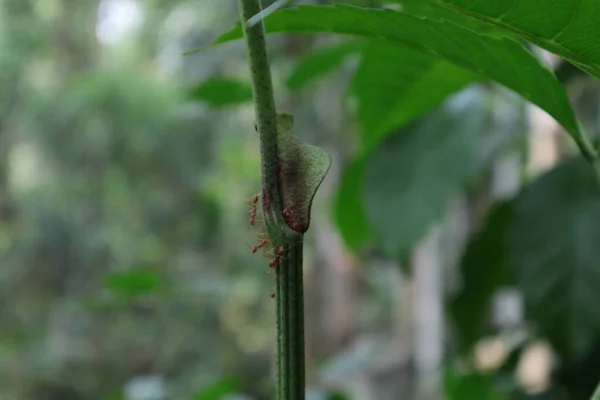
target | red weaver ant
[
  {"x": 288, "y": 218},
  {"x": 287, "y": 213},
  {"x": 260, "y": 245},
  {"x": 253, "y": 201},
  {"x": 278, "y": 254}
]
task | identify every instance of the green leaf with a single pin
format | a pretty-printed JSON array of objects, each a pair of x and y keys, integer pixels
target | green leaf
[
  {"x": 568, "y": 28},
  {"x": 413, "y": 174},
  {"x": 320, "y": 62},
  {"x": 502, "y": 60},
  {"x": 218, "y": 390},
  {"x": 484, "y": 269},
  {"x": 551, "y": 394},
  {"x": 336, "y": 396},
  {"x": 596, "y": 395},
  {"x": 431, "y": 10},
  {"x": 471, "y": 386},
  {"x": 554, "y": 247},
  {"x": 545, "y": 241},
  {"x": 220, "y": 92},
  {"x": 348, "y": 211},
  {"x": 133, "y": 283},
  {"x": 395, "y": 84}
]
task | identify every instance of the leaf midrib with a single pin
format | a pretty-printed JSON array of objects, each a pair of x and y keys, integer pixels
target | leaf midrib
[{"x": 550, "y": 45}]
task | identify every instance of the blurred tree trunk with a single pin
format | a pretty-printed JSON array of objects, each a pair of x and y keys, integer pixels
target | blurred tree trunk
[
  {"x": 428, "y": 316},
  {"x": 9, "y": 103},
  {"x": 13, "y": 60}
]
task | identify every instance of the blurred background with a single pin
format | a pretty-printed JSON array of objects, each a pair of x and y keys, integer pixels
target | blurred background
[{"x": 126, "y": 266}]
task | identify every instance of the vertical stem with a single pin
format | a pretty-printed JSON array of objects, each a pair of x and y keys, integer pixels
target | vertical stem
[
  {"x": 289, "y": 293},
  {"x": 290, "y": 323},
  {"x": 264, "y": 105},
  {"x": 428, "y": 315}
]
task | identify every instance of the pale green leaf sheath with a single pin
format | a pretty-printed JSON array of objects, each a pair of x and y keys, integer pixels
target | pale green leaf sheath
[{"x": 302, "y": 168}]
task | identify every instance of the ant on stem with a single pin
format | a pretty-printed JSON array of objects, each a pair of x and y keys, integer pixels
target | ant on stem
[
  {"x": 253, "y": 201},
  {"x": 278, "y": 254},
  {"x": 288, "y": 217},
  {"x": 259, "y": 245}
]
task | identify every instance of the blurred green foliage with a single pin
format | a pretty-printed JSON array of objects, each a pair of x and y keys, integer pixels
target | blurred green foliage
[
  {"x": 222, "y": 92},
  {"x": 123, "y": 231}
]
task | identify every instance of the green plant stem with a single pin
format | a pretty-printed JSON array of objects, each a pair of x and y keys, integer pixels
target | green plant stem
[
  {"x": 590, "y": 154},
  {"x": 289, "y": 291},
  {"x": 264, "y": 105},
  {"x": 290, "y": 324}
]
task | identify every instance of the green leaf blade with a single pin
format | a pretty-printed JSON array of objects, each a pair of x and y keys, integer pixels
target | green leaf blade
[
  {"x": 404, "y": 191},
  {"x": 553, "y": 246},
  {"x": 348, "y": 211},
  {"x": 568, "y": 28},
  {"x": 395, "y": 85},
  {"x": 221, "y": 92},
  {"x": 133, "y": 283},
  {"x": 545, "y": 241},
  {"x": 218, "y": 390},
  {"x": 320, "y": 62},
  {"x": 502, "y": 60},
  {"x": 469, "y": 386}
]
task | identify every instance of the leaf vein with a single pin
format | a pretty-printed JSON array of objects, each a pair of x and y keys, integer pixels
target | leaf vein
[
  {"x": 574, "y": 14},
  {"x": 555, "y": 47}
]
